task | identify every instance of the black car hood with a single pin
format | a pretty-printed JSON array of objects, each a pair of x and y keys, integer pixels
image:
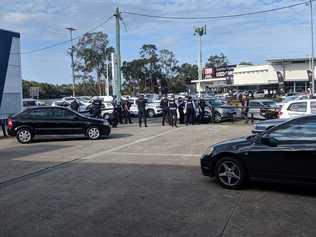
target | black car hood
[{"x": 233, "y": 144}]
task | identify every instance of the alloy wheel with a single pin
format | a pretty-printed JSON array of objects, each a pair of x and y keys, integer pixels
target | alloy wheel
[
  {"x": 24, "y": 136},
  {"x": 93, "y": 133},
  {"x": 229, "y": 173}
]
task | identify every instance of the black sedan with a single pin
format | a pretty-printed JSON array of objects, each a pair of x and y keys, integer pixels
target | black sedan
[
  {"x": 284, "y": 153},
  {"x": 55, "y": 121},
  {"x": 261, "y": 126}
]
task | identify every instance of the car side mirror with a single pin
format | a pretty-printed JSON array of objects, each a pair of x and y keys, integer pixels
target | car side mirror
[{"x": 269, "y": 141}]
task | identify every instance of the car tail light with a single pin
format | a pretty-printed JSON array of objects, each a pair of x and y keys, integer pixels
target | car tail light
[{"x": 10, "y": 123}]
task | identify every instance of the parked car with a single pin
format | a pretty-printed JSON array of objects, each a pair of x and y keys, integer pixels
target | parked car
[
  {"x": 153, "y": 109},
  {"x": 107, "y": 107},
  {"x": 66, "y": 104},
  {"x": 288, "y": 99},
  {"x": 284, "y": 153},
  {"x": 54, "y": 120},
  {"x": 263, "y": 109},
  {"x": 297, "y": 108},
  {"x": 261, "y": 126},
  {"x": 27, "y": 103},
  {"x": 221, "y": 111}
]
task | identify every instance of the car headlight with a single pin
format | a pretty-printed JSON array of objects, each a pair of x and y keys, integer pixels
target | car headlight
[{"x": 209, "y": 150}]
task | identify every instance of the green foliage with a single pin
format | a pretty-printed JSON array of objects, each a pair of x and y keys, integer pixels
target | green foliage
[
  {"x": 217, "y": 61},
  {"x": 91, "y": 54},
  {"x": 51, "y": 91}
]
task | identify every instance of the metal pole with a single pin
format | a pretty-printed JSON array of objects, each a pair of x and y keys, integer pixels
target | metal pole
[
  {"x": 200, "y": 66},
  {"x": 118, "y": 52},
  {"x": 107, "y": 88},
  {"x": 312, "y": 39},
  {"x": 113, "y": 74},
  {"x": 72, "y": 62}
]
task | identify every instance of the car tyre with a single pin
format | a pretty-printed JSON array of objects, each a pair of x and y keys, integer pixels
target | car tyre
[
  {"x": 93, "y": 133},
  {"x": 151, "y": 113},
  {"x": 217, "y": 117},
  {"x": 24, "y": 135},
  {"x": 230, "y": 173}
]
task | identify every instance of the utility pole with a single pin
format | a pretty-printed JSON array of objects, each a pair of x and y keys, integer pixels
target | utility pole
[
  {"x": 312, "y": 39},
  {"x": 200, "y": 31},
  {"x": 107, "y": 84},
  {"x": 118, "y": 54},
  {"x": 72, "y": 61}
]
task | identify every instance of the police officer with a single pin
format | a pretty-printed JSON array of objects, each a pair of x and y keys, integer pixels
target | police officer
[
  {"x": 96, "y": 108},
  {"x": 74, "y": 105},
  {"x": 202, "y": 106},
  {"x": 141, "y": 105},
  {"x": 164, "y": 105},
  {"x": 173, "y": 111},
  {"x": 181, "y": 110},
  {"x": 189, "y": 111},
  {"x": 126, "y": 111},
  {"x": 117, "y": 107}
]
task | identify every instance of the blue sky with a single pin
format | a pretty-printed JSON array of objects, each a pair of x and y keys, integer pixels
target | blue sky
[{"x": 256, "y": 38}]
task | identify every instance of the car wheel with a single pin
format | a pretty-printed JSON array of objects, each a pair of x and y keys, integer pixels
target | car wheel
[
  {"x": 93, "y": 133},
  {"x": 217, "y": 117},
  {"x": 230, "y": 173},
  {"x": 151, "y": 113},
  {"x": 24, "y": 135}
]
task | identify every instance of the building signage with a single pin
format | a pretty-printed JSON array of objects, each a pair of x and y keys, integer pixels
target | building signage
[{"x": 219, "y": 72}]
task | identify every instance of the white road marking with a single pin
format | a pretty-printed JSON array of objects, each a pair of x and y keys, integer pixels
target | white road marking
[
  {"x": 154, "y": 154},
  {"x": 129, "y": 144}
]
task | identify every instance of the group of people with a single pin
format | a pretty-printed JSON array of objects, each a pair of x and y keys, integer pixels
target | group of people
[
  {"x": 174, "y": 111},
  {"x": 184, "y": 109}
]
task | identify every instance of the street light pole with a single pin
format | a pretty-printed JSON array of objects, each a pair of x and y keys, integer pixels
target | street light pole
[
  {"x": 312, "y": 41},
  {"x": 72, "y": 61},
  {"x": 200, "y": 31}
]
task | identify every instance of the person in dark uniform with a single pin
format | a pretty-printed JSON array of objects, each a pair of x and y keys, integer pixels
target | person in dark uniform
[
  {"x": 74, "y": 105},
  {"x": 117, "y": 109},
  {"x": 126, "y": 111},
  {"x": 96, "y": 108},
  {"x": 164, "y": 103},
  {"x": 172, "y": 105},
  {"x": 181, "y": 110},
  {"x": 189, "y": 111},
  {"x": 245, "y": 107},
  {"x": 3, "y": 125},
  {"x": 141, "y": 105},
  {"x": 202, "y": 106}
]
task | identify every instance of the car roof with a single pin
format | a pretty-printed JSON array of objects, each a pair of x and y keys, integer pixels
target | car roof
[{"x": 263, "y": 100}]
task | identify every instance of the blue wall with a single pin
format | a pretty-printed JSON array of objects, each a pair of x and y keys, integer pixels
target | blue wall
[{"x": 5, "y": 48}]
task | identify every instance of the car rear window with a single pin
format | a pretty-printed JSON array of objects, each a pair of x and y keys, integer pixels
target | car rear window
[
  {"x": 40, "y": 114},
  {"x": 298, "y": 107}
]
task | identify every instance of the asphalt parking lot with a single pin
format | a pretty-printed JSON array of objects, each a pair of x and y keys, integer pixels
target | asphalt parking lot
[{"x": 139, "y": 182}]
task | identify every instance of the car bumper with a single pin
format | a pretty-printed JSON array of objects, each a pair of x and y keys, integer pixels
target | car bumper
[
  {"x": 205, "y": 166},
  {"x": 11, "y": 132}
]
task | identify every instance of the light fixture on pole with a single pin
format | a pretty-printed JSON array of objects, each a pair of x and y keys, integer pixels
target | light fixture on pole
[
  {"x": 71, "y": 29},
  {"x": 200, "y": 31}
]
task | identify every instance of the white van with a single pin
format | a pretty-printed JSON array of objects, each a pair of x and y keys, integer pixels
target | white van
[{"x": 297, "y": 108}]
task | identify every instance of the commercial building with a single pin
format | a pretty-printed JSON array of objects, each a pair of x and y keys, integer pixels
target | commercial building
[
  {"x": 286, "y": 74},
  {"x": 10, "y": 74}
]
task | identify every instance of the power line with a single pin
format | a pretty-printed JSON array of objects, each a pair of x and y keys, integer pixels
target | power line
[
  {"x": 65, "y": 41},
  {"x": 218, "y": 17}
]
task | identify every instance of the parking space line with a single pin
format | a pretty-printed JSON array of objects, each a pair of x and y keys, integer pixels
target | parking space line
[
  {"x": 130, "y": 144},
  {"x": 154, "y": 154}
]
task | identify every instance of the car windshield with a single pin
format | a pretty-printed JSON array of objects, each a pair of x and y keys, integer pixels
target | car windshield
[
  {"x": 290, "y": 98},
  {"x": 270, "y": 104},
  {"x": 215, "y": 102}
]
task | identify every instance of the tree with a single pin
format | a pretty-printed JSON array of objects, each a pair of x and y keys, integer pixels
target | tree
[
  {"x": 246, "y": 63},
  {"x": 168, "y": 67},
  {"x": 91, "y": 53},
  {"x": 217, "y": 61}
]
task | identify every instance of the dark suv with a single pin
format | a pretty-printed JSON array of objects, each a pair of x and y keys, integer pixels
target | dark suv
[{"x": 54, "y": 121}]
